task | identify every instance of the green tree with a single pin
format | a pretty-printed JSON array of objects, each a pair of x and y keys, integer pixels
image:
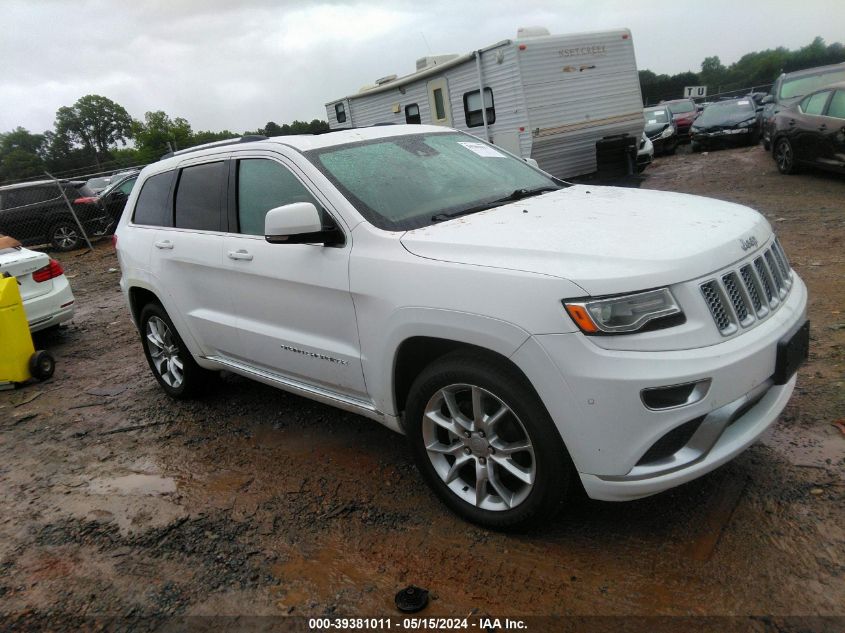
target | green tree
[
  {"x": 158, "y": 129},
  {"x": 96, "y": 123},
  {"x": 21, "y": 154}
]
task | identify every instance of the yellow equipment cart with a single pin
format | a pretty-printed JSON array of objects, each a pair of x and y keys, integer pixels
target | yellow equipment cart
[{"x": 18, "y": 359}]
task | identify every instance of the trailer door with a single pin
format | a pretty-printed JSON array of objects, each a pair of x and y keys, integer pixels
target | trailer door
[{"x": 438, "y": 101}]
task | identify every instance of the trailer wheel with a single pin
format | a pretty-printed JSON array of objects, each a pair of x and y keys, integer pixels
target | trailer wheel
[{"x": 42, "y": 365}]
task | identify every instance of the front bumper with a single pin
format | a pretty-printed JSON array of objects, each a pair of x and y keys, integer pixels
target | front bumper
[{"x": 597, "y": 403}]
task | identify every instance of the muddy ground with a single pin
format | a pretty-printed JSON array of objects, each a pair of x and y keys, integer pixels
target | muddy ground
[{"x": 115, "y": 500}]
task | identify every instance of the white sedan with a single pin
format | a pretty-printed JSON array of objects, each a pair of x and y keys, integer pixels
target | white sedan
[{"x": 46, "y": 294}]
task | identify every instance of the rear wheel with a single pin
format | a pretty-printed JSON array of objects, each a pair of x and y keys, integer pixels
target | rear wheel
[
  {"x": 485, "y": 443},
  {"x": 170, "y": 360},
  {"x": 65, "y": 236},
  {"x": 784, "y": 156}
]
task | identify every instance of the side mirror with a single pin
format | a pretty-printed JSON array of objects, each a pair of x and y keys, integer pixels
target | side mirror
[
  {"x": 299, "y": 223},
  {"x": 532, "y": 162},
  {"x": 767, "y": 99}
]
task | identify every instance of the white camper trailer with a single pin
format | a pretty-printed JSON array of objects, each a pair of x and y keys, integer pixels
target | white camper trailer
[{"x": 571, "y": 102}]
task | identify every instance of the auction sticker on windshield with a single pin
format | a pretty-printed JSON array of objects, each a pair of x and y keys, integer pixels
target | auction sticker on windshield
[{"x": 481, "y": 149}]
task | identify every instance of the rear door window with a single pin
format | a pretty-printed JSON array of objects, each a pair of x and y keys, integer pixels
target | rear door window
[
  {"x": 836, "y": 108},
  {"x": 199, "y": 197},
  {"x": 151, "y": 207},
  {"x": 814, "y": 104}
]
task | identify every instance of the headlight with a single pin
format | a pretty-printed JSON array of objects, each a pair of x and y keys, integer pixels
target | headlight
[
  {"x": 669, "y": 131},
  {"x": 747, "y": 123},
  {"x": 623, "y": 314}
]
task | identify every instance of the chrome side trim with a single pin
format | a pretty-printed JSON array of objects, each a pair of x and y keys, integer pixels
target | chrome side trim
[
  {"x": 696, "y": 449},
  {"x": 326, "y": 396}
]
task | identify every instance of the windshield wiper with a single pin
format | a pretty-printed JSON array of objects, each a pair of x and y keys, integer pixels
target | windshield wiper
[{"x": 517, "y": 194}]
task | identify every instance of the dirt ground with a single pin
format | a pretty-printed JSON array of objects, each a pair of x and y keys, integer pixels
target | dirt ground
[{"x": 117, "y": 501}]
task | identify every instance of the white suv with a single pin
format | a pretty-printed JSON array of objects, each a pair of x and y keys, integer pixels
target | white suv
[{"x": 525, "y": 334}]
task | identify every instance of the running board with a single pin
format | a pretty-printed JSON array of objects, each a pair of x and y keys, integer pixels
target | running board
[{"x": 326, "y": 396}]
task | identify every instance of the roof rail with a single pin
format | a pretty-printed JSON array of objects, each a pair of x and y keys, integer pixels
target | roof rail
[{"x": 247, "y": 138}]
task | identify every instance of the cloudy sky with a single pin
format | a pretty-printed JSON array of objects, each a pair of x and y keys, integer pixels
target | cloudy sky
[{"x": 236, "y": 65}]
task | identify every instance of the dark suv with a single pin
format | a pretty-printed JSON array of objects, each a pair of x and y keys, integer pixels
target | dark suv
[
  {"x": 791, "y": 88},
  {"x": 36, "y": 213}
]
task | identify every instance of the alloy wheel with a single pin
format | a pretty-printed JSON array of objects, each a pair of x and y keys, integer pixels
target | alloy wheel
[
  {"x": 478, "y": 447},
  {"x": 65, "y": 237},
  {"x": 783, "y": 156},
  {"x": 164, "y": 352}
]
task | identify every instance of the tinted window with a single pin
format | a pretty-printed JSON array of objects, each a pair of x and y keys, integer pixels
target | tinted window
[
  {"x": 412, "y": 114},
  {"x": 340, "y": 112},
  {"x": 31, "y": 195},
  {"x": 814, "y": 104},
  {"x": 439, "y": 108},
  {"x": 152, "y": 201},
  {"x": 198, "y": 197},
  {"x": 472, "y": 108},
  {"x": 264, "y": 185},
  {"x": 837, "y": 105},
  {"x": 126, "y": 186}
]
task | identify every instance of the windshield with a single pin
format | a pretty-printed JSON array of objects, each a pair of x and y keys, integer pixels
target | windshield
[
  {"x": 800, "y": 86},
  {"x": 656, "y": 116},
  {"x": 721, "y": 111},
  {"x": 405, "y": 182},
  {"x": 681, "y": 107}
]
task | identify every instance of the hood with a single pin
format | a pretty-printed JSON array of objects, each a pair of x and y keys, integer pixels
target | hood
[
  {"x": 724, "y": 117},
  {"x": 653, "y": 129},
  {"x": 605, "y": 239}
]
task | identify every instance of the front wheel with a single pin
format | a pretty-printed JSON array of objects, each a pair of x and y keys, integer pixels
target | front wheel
[
  {"x": 784, "y": 156},
  {"x": 485, "y": 443}
]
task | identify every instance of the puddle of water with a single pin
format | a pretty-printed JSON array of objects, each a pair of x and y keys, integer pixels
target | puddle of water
[{"x": 134, "y": 484}]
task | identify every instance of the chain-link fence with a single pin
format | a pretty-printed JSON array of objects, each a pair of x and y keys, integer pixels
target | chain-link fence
[{"x": 65, "y": 214}]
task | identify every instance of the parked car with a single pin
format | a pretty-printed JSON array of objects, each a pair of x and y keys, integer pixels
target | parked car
[
  {"x": 684, "y": 112},
  {"x": 36, "y": 213},
  {"x": 812, "y": 132},
  {"x": 645, "y": 153},
  {"x": 661, "y": 129},
  {"x": 47, "y": 297},
  {"x": 96, "y": 185},
  {"x": 111, "y": 200},
  {"x": 732, "y": 122},
  {"x": 527, "y": 335},
  {"x": 790, "y": 88}
]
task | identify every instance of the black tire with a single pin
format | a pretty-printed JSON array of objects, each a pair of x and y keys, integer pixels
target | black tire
[
  {"x": 695, "y": 147},
  {"x": 766, "y": 144},
  {"x": 194, "y": 379},
  {"x": 754, "y": 138},
  {"x": 42, "y": 365},
  {"x": 784, "y": 156},
  {"x": 65, "y": 235},
  {"x": 554, "y": 473}
]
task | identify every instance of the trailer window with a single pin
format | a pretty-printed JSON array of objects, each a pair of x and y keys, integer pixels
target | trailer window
[
  {"x": 412, "y": 114},
  {"x": 439, "y": 108},
  {"x": 340, "y": 112},
  {"x": 472, "y": 108}
]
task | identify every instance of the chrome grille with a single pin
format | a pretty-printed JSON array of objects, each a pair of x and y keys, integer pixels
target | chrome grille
[
  {"x": 750, "y": 293},
  {"x": 716, "y": 305}
]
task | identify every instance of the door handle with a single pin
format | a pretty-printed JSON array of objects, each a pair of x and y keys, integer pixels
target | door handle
[
  {"x": 792, "y": 121},
  {"x": 240, "y": 254},
  {"x": 164, "y": 245},
  {"x": 822, "y": 127}
]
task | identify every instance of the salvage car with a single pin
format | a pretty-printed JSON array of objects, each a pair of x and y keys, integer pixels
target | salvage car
[
  {"x": 47, "y": 298},
  {"x": 109, "y": 203},
  {"x": 37, "y": 213},
  {"x": 730, "y": 122},
  {"x": 790, "y": 88},
  {"x": 528, "y": 336},
  {"x": 645, "y": 153},
  {"x": 812, "y": 132},
  {"x": 684, "y": 112},
  {"x": 661, "y": 129}
]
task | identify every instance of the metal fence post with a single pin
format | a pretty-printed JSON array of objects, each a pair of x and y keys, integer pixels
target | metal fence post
[{"x": 70, "y": 208}]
